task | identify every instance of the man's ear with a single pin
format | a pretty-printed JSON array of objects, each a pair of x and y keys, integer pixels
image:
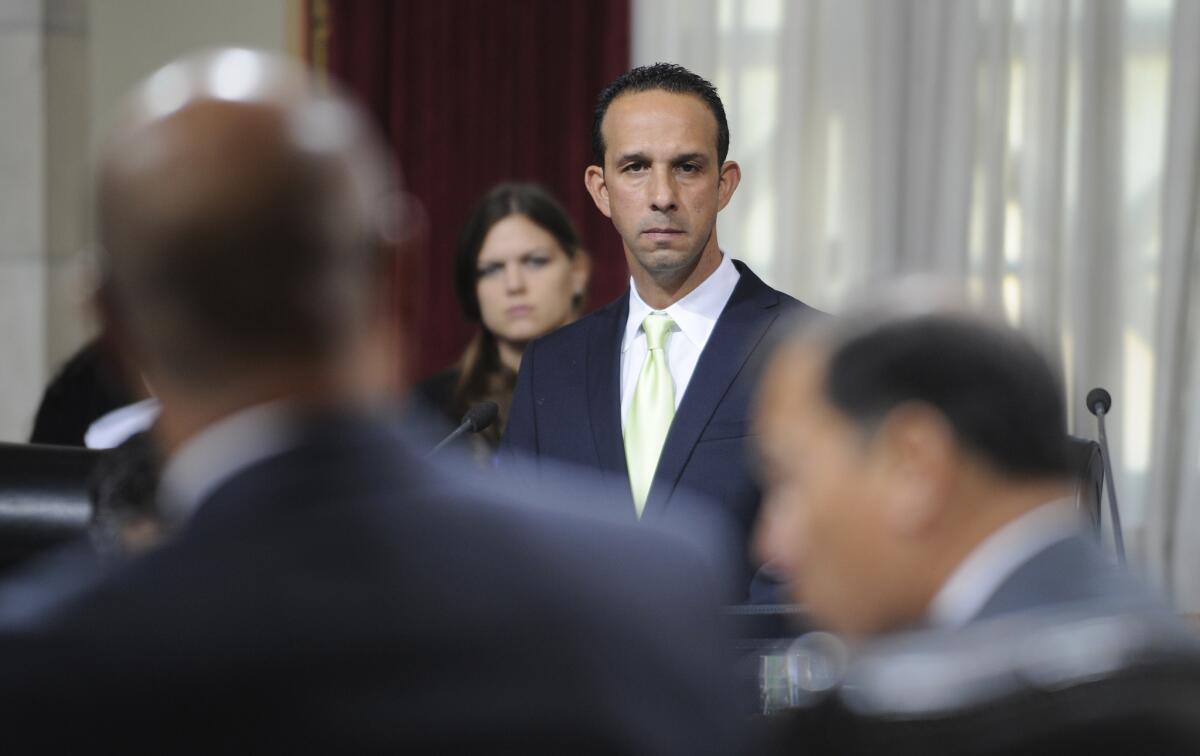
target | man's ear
[
  {"x": 593, "y": 179},
  {"x": 919, "y": 455},
  {"x": 727, "y": 184}
]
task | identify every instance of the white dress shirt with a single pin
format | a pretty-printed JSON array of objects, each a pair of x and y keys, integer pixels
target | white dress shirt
[
  {"x": 695, "y": 316},
  {"x": 978, "y": 576},
  {"x": 219, "y": 452}
]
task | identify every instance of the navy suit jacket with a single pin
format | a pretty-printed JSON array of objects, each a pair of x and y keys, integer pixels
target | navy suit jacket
[
  {"x": 567, "y": 405},
  {"x": 349, "y": 596}
]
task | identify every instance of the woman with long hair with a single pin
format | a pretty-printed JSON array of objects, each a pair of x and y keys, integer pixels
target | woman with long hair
[{"x": 520, "y": 273}]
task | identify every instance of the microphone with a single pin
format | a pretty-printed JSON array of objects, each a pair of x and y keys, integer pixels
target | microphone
[
  {"x": 478, "y": 417},
  {"x": 1099, "y": 402}
]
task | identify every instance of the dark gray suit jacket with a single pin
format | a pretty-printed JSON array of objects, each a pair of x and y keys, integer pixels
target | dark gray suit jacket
[
  {"x": 1069, "y": 572},
  {"x": 1069, "y": 655}
]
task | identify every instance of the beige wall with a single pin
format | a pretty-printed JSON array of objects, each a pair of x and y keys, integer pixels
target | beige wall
[
  {"x": 132, "y": 38},
  {"x": 43, "y": 147},
  {"x": 64, "y": 65}
]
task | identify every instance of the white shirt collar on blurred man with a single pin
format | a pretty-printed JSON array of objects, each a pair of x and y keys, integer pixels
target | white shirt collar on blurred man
[
  {"x": 114, "y": 428},
  {"x": 219, "y": 452},
  {"x": 978, "y": 576}
]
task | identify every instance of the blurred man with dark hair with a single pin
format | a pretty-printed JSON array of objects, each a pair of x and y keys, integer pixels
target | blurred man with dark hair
[
  {"x": 918, "y": 491},
  {"x": 324, "y": 587},
  {"x": 894, "y": 450}
]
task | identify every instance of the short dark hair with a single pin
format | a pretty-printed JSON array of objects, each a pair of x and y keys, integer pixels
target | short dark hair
[
  {"x": 503, "y": 200},
  {"x": 668, "y": 77},
  {"x": 997, "y": 392}
]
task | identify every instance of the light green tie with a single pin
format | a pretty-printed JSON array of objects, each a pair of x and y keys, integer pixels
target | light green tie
[{"x": 650, "y": 411}]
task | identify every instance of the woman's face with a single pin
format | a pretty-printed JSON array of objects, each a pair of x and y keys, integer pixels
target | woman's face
[{"x": 526, "y": 283}]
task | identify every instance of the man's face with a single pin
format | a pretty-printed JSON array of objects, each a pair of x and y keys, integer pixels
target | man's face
[
  {"x": 661, "y": 183},
  {"x": 822, "y": 522}
]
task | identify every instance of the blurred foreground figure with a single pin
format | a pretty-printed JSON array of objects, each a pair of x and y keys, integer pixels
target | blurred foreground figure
[
  {"x": 918, "y": 479},
  {"x": 323, "y": 588}
]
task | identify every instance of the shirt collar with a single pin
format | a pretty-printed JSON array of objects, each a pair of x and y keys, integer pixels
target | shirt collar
[
  {"x": 978, "y": 576},
  {"x": 696, "y": 314},
  {"x": 113, "y": 429},
  {"x": 219, "y": 452}
]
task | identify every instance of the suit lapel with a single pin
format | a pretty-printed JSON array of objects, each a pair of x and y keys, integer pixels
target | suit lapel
[
  {"x": 746, "y": 317},
  {"x": 604, "y": 394}
]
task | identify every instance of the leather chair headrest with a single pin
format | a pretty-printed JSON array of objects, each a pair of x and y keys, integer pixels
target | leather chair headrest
[{"x": 44, "y": 497}]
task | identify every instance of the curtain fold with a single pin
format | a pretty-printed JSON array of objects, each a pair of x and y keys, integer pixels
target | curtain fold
[
  {"x": 473, "y": 93},
  {"x": 1175, "y": 526}
]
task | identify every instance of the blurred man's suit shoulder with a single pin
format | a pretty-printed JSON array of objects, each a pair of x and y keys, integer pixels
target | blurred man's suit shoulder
[
  {"x": 1069, "y": 654},
  {"x": 344, "y": 590},
  {"x": 1071, "y": 571}
]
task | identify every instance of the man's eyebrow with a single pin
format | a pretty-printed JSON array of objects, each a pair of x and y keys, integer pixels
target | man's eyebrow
[
  {"x": 641, "y": 157},
  {"x": 633, "y": 157}
]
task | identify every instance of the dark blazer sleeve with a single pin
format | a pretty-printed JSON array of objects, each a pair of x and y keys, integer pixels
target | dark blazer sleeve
[{"x": 520, "y": 435}]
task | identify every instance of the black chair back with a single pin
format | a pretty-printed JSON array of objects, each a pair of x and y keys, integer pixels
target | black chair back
[
  {"x": 44, "y": 498},
  {"x": 1088, "y": 462}
]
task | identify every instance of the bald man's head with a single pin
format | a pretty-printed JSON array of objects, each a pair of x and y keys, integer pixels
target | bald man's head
[{"x": 240, "y": 216}]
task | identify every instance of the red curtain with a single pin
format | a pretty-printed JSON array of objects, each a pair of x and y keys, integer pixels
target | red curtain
[{"x": 471, "y": 93}]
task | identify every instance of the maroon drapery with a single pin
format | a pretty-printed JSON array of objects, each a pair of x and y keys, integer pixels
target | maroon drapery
[{"x": 473, "y": 92}]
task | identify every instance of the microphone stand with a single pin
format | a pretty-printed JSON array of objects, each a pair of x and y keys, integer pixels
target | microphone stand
[
  {"x": 1100, "y": 402},
  {"x": 479, "y": 417},
  {"x": 461, "y": 430}
]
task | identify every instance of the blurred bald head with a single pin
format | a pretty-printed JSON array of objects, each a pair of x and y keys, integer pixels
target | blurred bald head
[{"x": 240, "y": 215}]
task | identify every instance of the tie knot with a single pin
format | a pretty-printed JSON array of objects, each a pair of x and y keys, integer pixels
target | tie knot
[{"x": 657, "y": 325}]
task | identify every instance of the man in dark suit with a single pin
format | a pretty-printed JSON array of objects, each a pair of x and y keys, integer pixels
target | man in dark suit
[
  {"x": 654, "y": 389},
  {"x": 326, "y": 588},
  {"x": 918, "y": 498}
]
